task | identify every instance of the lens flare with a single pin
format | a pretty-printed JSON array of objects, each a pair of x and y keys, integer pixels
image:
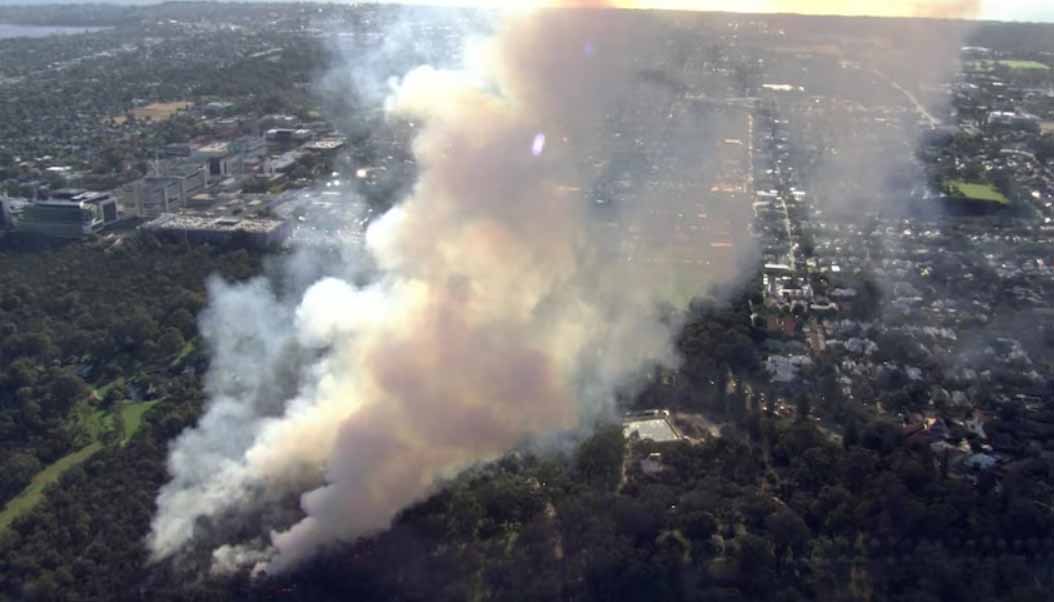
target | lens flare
[{"x": 538, "y": 145}]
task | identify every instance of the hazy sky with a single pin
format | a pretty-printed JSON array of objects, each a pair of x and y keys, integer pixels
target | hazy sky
[
  {"x": 1002, "y": 10},
  {"x": 1019, "y": 10}
]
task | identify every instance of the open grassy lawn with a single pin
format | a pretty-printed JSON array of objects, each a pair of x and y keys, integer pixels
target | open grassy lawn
[
  {"x": 978, "y": 192},
  {"x": 156, "y": 112},
  {"x": 34, "y": 492},
  {"x": 102, "y": 421},
  {"x": 1025, "y": 65},
  {"x": 93, "y": 424},
  {"x": 1010, "y": 64},
  {"x": 132, "y": 414},
  {"x": 104, "y": 390},
  {"x": 188, "y": 348}
]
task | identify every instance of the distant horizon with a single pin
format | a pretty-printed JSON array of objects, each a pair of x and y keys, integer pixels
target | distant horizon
[{"x": 1012, "y": 11}]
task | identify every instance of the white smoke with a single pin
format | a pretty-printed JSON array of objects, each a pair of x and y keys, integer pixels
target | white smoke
[{"x": 508, "y": 305}]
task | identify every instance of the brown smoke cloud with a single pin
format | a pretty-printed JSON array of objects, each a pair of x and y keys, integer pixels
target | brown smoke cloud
[{"x": 510, "y": 305}]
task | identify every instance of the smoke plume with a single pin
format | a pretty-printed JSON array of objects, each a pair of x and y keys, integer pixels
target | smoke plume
[{"x": 510, "y": 302}]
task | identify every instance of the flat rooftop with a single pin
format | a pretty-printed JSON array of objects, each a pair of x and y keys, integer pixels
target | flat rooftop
[
  {"x": 175, "y": 221},
  {"x": 215, "y": 148},
  {"x": 328, "y": 144},
  {"x": 177, "y": 169},
  {"x": 656, "y": 429}
]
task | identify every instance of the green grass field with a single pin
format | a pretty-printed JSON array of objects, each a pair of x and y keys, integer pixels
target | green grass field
[
  {"x": 94, "y": 424},
  {"x": 1010, "y": 64},
  {"x": 978, "y": 192},
  {"x": 34, "y": 492},
  {"x": 132, "y": 414},
  {"x": 104, "y": 390},
  {"x": 188, "y": 348}
]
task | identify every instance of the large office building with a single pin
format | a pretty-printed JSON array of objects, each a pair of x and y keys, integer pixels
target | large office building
[
  {"x": 170, "y": 187},
  {"x": 68, "y": 213},
  {"x": 220, "y": 230},
  {"x": 218, "y": 157}
]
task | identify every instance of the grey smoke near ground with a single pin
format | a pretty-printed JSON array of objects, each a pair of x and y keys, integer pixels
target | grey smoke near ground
[
  {"x": 857, "y": 120},
  {"x": 381, "y": 44},
  {"x": 871, "y": 92},
  {"x": 509, "y": 303}
]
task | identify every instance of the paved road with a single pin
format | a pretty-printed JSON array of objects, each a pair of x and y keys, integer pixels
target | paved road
[{"x": 934, "y": 122}]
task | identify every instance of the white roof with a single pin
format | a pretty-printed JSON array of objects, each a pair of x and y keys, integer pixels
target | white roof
[{"x": 656, "y": 429}]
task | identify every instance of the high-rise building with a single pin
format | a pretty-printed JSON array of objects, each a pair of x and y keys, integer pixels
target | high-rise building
[
  {"x": 218, "y": 158},
  {"x": 171, "y": 186}
]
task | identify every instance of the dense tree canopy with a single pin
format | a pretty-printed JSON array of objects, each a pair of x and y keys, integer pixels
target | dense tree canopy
[
  {"x": 773, "y": 509},
  {"x": 78, "y": 324}
]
